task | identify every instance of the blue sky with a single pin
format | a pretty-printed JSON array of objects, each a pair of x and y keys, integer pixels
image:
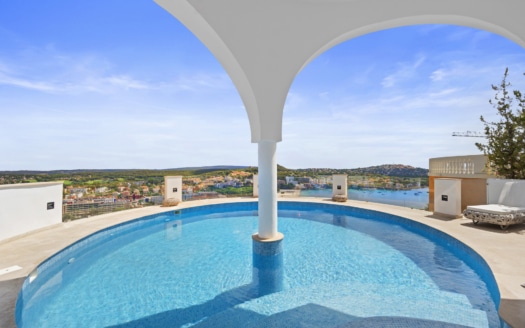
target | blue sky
[{"x": 122, "y": 84}]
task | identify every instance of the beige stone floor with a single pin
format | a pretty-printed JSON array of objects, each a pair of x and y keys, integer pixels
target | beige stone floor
[{"x": 502, "y": 250}]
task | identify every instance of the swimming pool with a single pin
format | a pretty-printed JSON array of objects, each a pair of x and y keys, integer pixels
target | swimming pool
[{"x": 193, "y": 267}]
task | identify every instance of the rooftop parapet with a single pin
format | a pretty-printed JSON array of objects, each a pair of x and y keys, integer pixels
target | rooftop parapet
[{"x": 469, "y": 166}]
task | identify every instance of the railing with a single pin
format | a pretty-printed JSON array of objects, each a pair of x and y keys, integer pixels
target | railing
[
  {"x": 84, "y": 210},
  {"x": 211, "y": 195},
  {"x": 459, "y": 166},
  {"x": 87, "y": 209}
]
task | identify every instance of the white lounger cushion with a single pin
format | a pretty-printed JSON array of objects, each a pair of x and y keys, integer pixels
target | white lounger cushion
[{"x": 496, "y": 209}]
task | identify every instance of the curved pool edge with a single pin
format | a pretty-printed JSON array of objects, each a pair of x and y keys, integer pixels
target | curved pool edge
[
  {"x": 493, "y": 245},
  {"x": 499, "y": 249}
]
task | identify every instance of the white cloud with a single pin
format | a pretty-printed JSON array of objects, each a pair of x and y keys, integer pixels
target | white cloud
[
  {"x": 6, "y": 79},
  {"x": 438, "y": 75},
  {"x": 294, "y": 101},
  {"x": 470, "y": 36},
  {"x": 199, "y": 82},
  {"x": 101, "y": 84},
  {"x": 62, "y": 74},
  {"x": 51, "y": 71},
  {"x": 405, "y": 71},
  {"x": 460, "y": 34},
  {"x": 443, "y": 93},
  {"x": 126, "y": 82},
  {"x": 389, "y": 81}
]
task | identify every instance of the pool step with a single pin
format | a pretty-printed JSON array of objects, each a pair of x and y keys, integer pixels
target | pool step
[{"x": 334, "y": 305}]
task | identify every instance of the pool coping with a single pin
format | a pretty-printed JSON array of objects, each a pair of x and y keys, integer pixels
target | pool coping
[{"x": 489, "y": 241}]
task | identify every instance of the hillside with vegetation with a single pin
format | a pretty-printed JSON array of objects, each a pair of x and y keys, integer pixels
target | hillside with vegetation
[
  {"x": 391, "y": 170},
  {"x": 117, "y": 176}
]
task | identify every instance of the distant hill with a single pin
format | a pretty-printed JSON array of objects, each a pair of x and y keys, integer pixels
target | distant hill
[
  {"x": 208, "y": 168},
  {"x": 195, "y": 168},
  {"x": 393, "y": 170},
  {"x": 64, "y": 171}
]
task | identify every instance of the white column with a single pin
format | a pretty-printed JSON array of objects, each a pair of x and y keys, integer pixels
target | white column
[{"x": 267, "y": 190}]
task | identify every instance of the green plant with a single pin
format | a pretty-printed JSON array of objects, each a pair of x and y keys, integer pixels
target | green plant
[{"x": 505, "y": 145}]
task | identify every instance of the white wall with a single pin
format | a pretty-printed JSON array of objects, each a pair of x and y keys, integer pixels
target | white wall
[
  {"x": 494, "y": 187},
  {"x": 23, "y": 207},
  {"x": 447, "y": 197},
  {"x": 173, "y": 187},
  {"x": 339, "y": 185}
]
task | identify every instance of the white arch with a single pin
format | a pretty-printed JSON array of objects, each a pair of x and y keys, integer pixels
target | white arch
[
  {"x": 264, "y": 44},
  {"x": 417, "y": 20}
]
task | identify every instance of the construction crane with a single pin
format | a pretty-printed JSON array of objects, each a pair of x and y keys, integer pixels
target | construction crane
[{"x": 472, "y": 134}]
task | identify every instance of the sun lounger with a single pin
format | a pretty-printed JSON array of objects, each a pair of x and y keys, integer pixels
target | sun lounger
[{"x": 509, "y": 210}]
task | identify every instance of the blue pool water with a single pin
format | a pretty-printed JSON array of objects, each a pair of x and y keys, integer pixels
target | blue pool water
[{"x": 193, "y": 268}]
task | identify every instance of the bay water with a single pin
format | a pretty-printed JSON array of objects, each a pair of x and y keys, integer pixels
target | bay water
[{"x": 413, "y": 198}]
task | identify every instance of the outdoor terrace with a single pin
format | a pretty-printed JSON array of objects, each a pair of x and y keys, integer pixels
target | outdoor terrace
[{"x": 500, "y": 249}]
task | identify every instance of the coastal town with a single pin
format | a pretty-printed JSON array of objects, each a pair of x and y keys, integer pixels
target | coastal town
[{"x": 92, "y": 191}]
